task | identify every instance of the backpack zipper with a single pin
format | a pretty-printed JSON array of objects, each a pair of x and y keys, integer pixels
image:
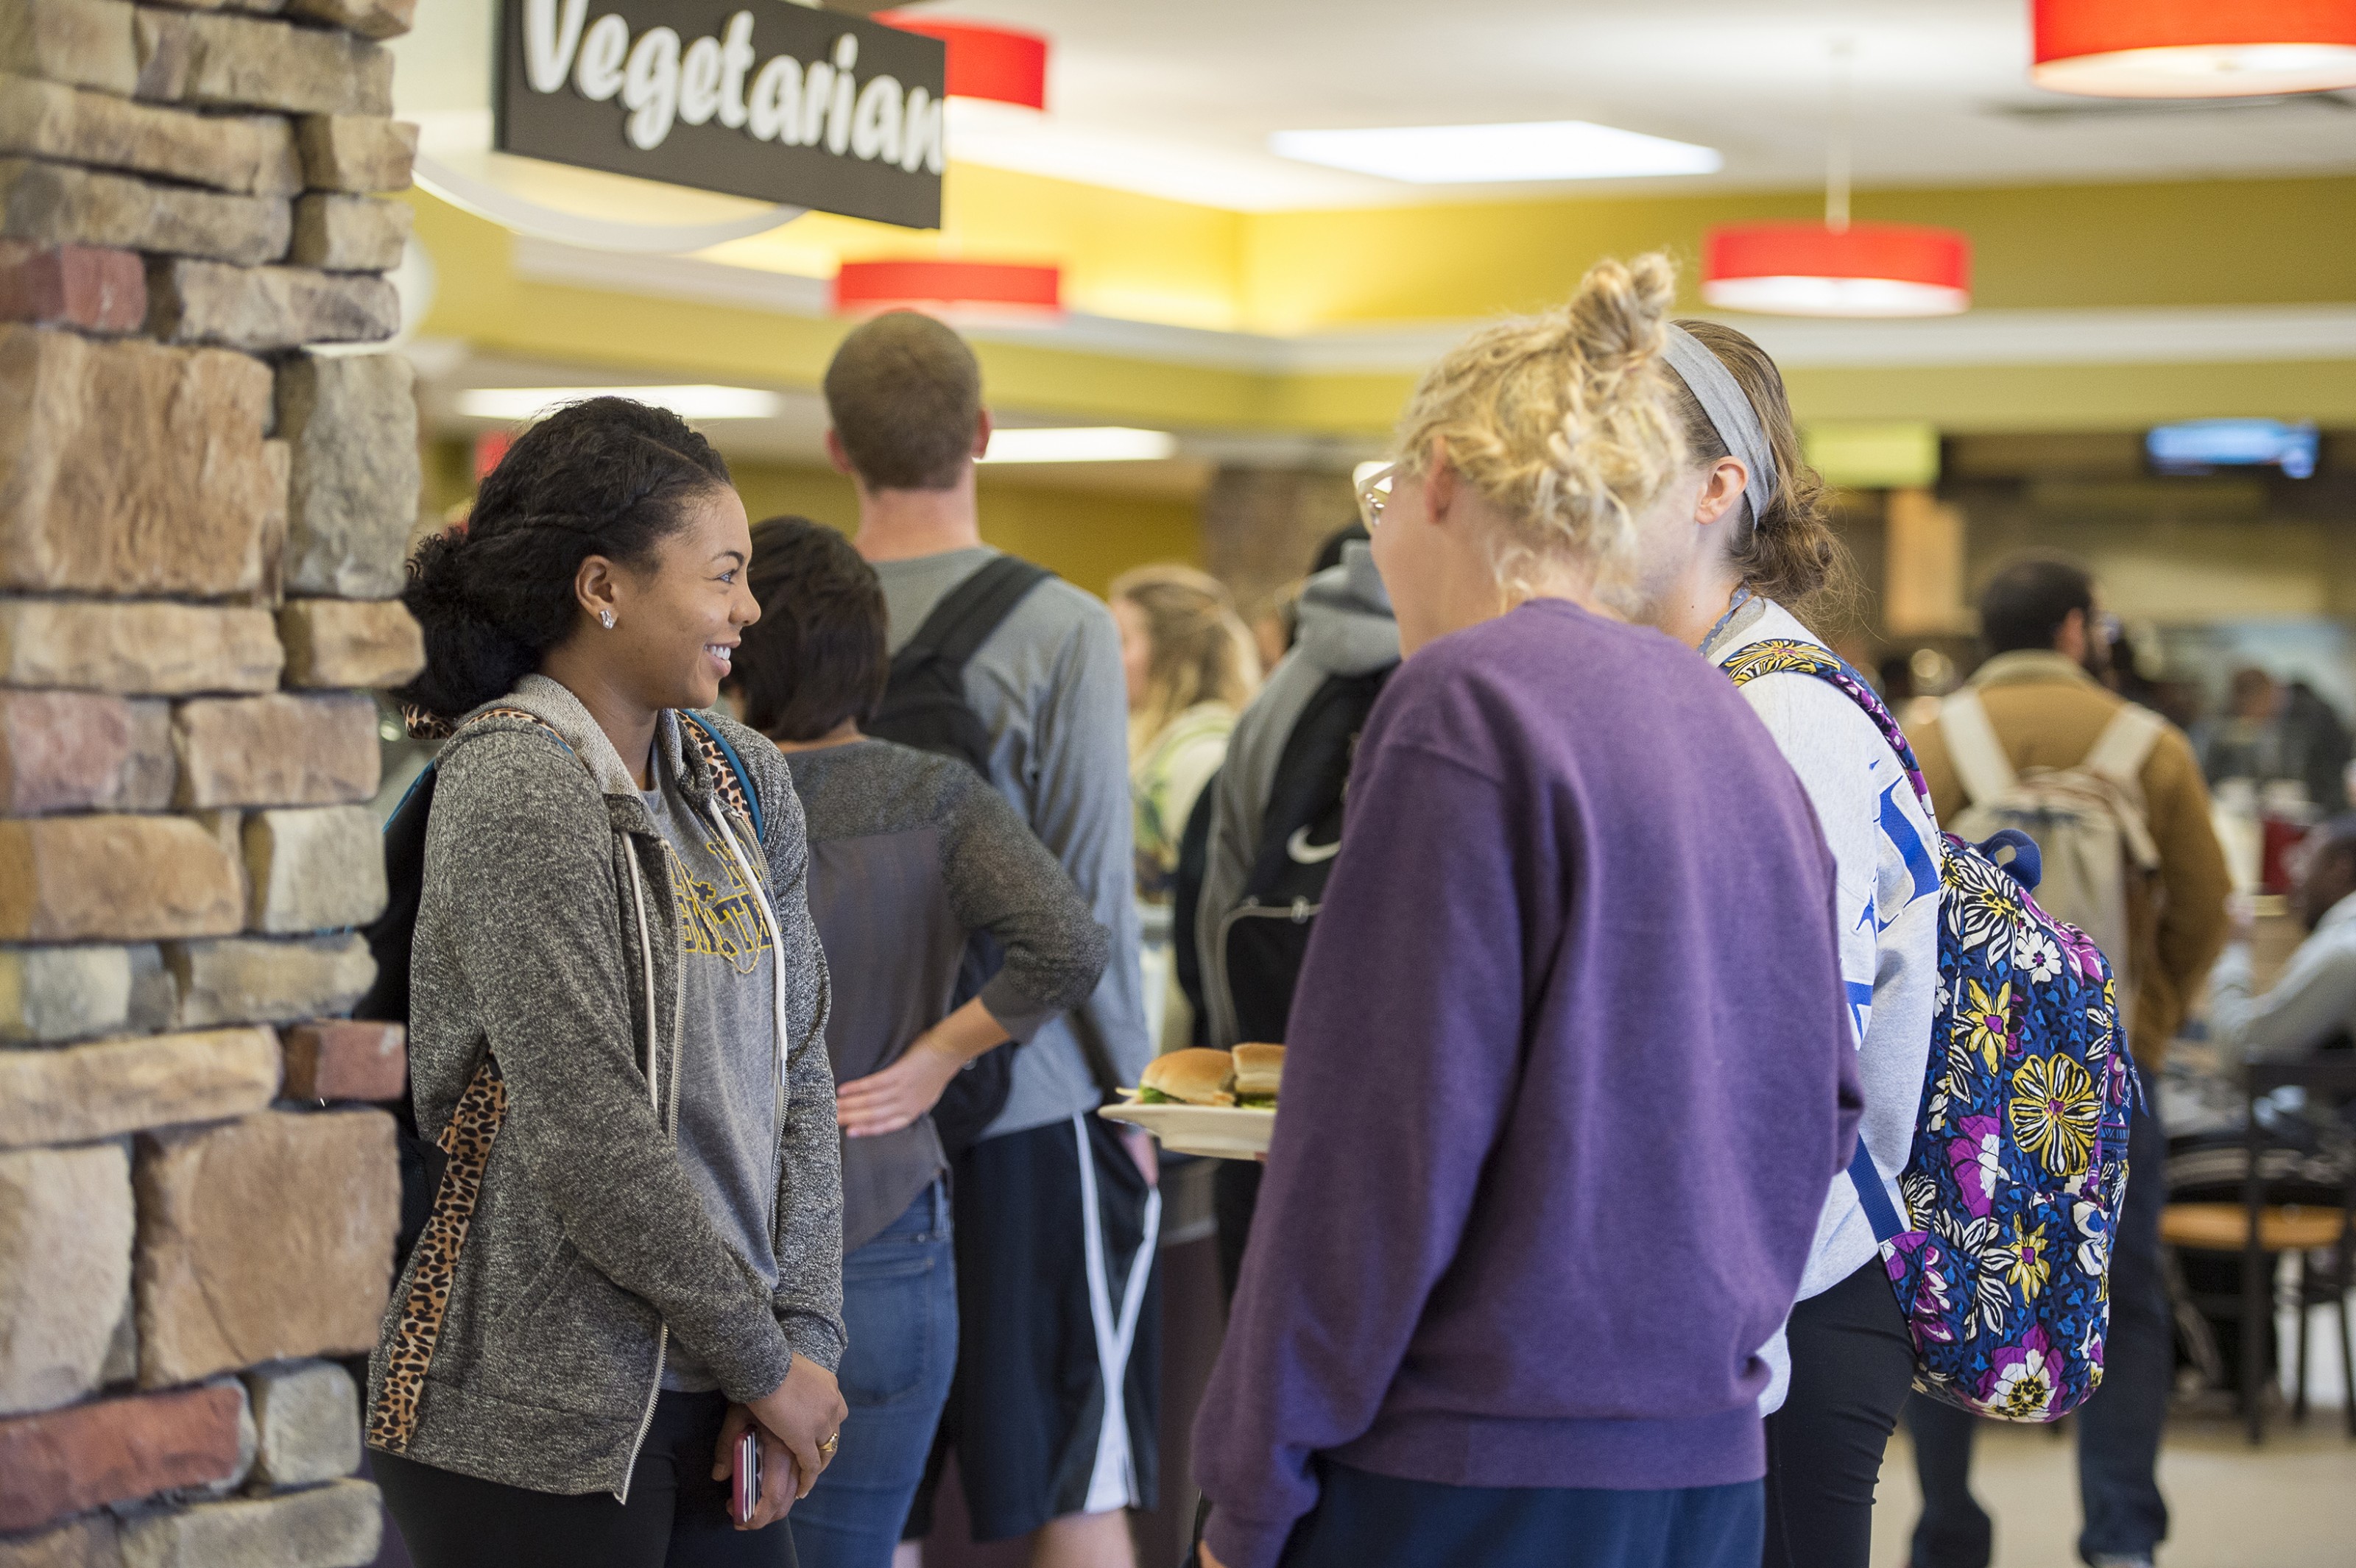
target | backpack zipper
[{"x": 1300, "y": 912}]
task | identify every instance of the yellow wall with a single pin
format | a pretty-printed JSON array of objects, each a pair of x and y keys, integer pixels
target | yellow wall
[
  {"x": 2212, "y": 242},
  {"x": 1088, "y": 536},
  {"x": 2161, "y": 244},
  {"x": 1122, "y": 254}
]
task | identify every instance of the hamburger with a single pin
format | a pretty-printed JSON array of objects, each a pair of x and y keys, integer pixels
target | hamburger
[
  {"x": 1258, "y": 1070},
  {"x": 1190, "y": 1077}
]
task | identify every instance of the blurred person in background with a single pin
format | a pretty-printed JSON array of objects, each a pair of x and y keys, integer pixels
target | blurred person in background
[
  {"x": 1052, "y": 1416},
  {"x": 1290, "y": 751},
  {"x": 912, "y": 855},
  {"x": 2045, "y": 701},
  {"x": 2312, "y": 1003},
  {"x": 2273, "y": 731},
  {"x": 1561, "y": 1105},
  {"x": 1757, "y": 537},
  {"x": 1189, "y": 666}
]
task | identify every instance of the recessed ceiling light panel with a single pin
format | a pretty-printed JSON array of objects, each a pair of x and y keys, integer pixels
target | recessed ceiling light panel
[
  {"x": 702, "y": 402},
  {"x": 1097, "y": 443},
  {"x": 1496, "y": 155}
]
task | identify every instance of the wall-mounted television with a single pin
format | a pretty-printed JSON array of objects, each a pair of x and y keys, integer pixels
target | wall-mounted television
[{"x": 2203, "y": 446}]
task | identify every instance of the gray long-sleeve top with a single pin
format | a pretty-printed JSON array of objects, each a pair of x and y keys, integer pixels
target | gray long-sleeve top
[{"x": 910, "y": 853}]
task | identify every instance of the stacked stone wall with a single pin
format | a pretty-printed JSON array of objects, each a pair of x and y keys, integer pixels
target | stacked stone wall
[{"x": 201, "y": 528}]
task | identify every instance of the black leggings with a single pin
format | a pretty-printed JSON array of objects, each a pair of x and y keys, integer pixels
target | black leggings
[
  {"x": 1852, "y": 1364},
  {"x": 677, "y": 1516}
]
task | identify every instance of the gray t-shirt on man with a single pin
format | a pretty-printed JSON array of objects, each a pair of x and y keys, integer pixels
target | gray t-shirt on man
[{"x": 1048, "y": 687}]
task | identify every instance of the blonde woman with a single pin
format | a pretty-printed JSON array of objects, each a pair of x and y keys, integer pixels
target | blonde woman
[
  {"x": 1191, "y": 668},
  {"x": 1569, "y": 1067}
]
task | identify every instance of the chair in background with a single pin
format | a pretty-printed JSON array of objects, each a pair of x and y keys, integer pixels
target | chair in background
[{"x": 2259, "y": 1229}]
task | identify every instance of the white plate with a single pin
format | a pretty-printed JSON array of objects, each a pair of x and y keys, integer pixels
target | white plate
[{"x": 1222, "y": 1132}]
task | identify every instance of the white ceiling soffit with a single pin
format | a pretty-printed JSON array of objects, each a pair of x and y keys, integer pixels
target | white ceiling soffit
[
  {"x": 2205, "y": 335},
  {"x": 1180, "y": 100}
]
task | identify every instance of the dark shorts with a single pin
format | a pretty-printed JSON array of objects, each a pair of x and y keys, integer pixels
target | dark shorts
[
  {"x": 1026, "y": 1417},
  {"x": 1365, "y": 1521}
]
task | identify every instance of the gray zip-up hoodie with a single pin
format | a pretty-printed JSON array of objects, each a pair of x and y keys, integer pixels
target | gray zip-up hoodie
[
  {"x": 1346, "y": 628},
  {"x": 527, "y": 1348}
]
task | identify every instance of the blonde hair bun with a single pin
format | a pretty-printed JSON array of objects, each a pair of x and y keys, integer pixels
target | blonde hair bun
[{"x": 1562, "y": 420}]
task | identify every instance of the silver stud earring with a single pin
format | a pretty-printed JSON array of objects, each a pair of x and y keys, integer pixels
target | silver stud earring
[{"x": 606, "y": 618}]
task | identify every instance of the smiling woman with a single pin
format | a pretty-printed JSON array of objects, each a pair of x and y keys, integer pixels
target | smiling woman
[
  {"x": 615, "y": 1004},
  {"x": 608, "y": 551}
]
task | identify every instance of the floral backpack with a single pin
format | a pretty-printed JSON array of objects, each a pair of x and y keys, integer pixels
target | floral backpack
[{"x": 2001, "y": 1260}]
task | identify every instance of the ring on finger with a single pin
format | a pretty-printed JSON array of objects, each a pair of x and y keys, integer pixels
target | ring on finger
[{"x": 826, "y": 1449}]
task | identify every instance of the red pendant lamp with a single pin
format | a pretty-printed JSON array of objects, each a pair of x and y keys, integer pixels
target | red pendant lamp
[
  {"x": 1837, "y": 267},
  {"x": 968, "y": 289},
  {"x": 1005, "y": 65},
  {"x": 1819, "y": 269},
  {"x": 2194, "y": 48}
]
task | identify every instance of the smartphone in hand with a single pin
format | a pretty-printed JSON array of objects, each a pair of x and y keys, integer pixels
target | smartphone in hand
[{"x": 747, "y": 1499}]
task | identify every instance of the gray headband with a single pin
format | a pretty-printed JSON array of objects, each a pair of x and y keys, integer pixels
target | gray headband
[{"x": 1731, "y": 415}]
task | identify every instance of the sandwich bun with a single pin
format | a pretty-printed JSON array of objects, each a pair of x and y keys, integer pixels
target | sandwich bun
[
  {"x": 1194, "y": 1077},
  {"x": 1259, "y": 1070}
]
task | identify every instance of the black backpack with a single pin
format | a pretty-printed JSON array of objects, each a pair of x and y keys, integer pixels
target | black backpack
[
  {"x": 1262, "y": 940},
  {"x": 390, "y": 935},
  {"x": 923, "y": 706}
]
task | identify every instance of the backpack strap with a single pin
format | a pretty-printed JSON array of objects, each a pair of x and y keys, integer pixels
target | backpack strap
[
  {"x": 2120, "y": 751},
  {"x": 1872, "y": 1197},
  {"x": 970, "y": 612},
  {"x": 733, "y": 785},
  {"x": 1780, "y": 656},
  {"x": 1981, "y": 764}
]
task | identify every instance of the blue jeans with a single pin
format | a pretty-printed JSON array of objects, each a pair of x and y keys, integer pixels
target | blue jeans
[
  {"x": 2118, "y": 1428},
  {"x": 899, "y": 1303}
]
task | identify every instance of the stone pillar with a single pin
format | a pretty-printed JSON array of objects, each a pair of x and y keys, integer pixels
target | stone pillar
[
  {"x": 1262, "y": 527},
  {"x": 201, "y": 528}
]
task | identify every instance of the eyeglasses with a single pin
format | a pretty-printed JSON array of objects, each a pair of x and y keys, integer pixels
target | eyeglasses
[{"x": 1374, "y": 484}]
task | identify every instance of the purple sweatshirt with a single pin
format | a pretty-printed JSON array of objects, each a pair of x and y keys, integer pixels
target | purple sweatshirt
[{"x": 1570, "y": 1071}]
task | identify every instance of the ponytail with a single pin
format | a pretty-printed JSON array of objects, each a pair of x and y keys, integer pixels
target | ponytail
[{"x": 1792, "y": 555}]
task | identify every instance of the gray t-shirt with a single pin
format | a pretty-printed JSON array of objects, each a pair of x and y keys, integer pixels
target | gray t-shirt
[
  {"x": 729, "y": 1088},
  {"x": 1048, "y": 687},
  {"x": 910, "y": 853}
]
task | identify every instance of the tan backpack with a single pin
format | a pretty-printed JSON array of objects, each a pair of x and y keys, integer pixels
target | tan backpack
[{"x": 2088, "y": 821}]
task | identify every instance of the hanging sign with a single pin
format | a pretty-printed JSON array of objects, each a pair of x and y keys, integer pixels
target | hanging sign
[{"x": 767, "y": 100}]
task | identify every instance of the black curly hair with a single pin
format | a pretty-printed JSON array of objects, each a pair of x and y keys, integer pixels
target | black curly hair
[
  {"x": 816, "y": 655},
  {"x": 605, "y": 476}
]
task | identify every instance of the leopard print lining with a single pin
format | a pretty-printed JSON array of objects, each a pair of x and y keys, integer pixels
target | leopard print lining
[
  {"x": 482, "y": 1109},
  {"x": 725, "y": 784}
]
